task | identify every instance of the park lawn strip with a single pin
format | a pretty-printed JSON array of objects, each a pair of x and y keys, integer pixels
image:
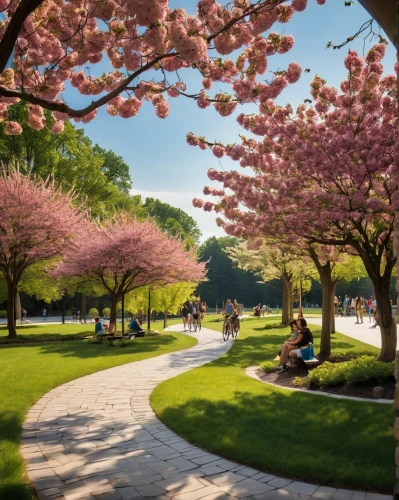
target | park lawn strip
[
  {"x": 29, "y": 371},
  {"x": 218, "y": 407}
]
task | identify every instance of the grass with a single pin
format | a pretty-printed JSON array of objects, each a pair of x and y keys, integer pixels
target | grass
[
  {"x": 334, "y": 442},
  {"x": 29, "y": 371}
]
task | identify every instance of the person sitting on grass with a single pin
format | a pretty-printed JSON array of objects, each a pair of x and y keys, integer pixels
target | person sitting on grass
[
  {"x": 98, "y": 327},
  {"x": 135, "y": 326},
  {"x": 293, "y": 349}
]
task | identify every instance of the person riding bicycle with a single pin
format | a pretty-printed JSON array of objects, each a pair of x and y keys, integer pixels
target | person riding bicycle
[{"x": 236, "y": 313}]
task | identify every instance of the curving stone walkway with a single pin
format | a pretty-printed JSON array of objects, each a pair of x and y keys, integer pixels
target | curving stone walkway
[{"x": 98, "y": 438}]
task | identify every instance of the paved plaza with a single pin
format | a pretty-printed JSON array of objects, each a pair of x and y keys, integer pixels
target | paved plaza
[
  {"x": 361, "y": 331},
  {"x": 98, "y": 438}
]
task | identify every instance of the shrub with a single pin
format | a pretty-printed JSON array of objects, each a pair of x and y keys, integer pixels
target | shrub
[
  {"x": 93, "y": 313},
  {"x": 106, "y": 311},
  {"x": 3, "y": 314},
  {"x": 354, "y": 371},
  {"x": 268, "y": 366},
  {"x": 299, "y": 381}
]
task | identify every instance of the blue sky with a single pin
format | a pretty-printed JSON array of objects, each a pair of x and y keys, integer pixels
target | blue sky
[{"x": 161, "y": 163}]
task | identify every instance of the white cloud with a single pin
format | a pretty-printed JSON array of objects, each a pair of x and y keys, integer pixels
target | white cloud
[{"x": 206, "y": 220}]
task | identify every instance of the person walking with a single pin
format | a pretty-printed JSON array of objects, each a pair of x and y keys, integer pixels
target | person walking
[
  {"x": 44, "y": 313},
  {"x": 359, "y": 309}
]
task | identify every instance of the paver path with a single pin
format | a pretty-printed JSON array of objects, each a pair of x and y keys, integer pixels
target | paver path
[
  {"x": 362, "y": 331},
  {"x": 98, "y": 438}
]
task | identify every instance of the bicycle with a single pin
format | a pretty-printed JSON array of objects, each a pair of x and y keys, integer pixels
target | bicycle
[
  {"x": 235, "y": 328},
  {"x": 230, "y": 328},
  {"x": 227, "y": 330}
]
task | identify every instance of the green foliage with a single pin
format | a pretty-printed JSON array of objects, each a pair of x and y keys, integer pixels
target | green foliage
[
  {"x": 173, "y": 220},
  {"x": 268, "y": 366},
  {"x": 357, "y": 370},
  {"x": 93, "y": 313},
  {"x": 3, "y": 314},
  {"x": 106, "y": 311},
  {"x": 226, "y": 280},
  {"x": 299, "y": 381}
]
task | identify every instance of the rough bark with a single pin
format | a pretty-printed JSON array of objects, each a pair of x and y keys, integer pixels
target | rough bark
[
  {"x": 165, "y": 319},
  {"x": 327, "y": 311},
  {"x": 11, "y": 292},
  {"x": 287, "y": 310},
  {"x": 113, "y": 317},
  {"x": 327, "y": 303},
  {"x": 18, "y": 308},
  {"x": 386, "y": 321}
]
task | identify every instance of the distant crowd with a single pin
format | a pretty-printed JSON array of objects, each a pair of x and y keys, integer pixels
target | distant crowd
[
  {"x": 356, "y": 306},
  {"x": 260, "y": 310}
]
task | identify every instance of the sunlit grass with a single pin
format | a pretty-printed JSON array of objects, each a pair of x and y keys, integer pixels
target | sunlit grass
[{"x": 329, "y": 441}]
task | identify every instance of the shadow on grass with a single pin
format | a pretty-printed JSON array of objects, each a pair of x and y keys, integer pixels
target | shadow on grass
[
  {"x": 273, "y": 431},
  {"x": 12, "y": 485},
  {"x": 91, "y": 349}
]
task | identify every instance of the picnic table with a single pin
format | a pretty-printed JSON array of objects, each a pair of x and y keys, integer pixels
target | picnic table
[{"x": 111, "y": 337}]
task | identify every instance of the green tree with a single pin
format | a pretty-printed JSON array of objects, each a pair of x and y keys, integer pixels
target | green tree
[
  {"x": 272, "y": 262},
  {"x": 173, "y": 220},
  {"x": 114, "y": 169},
  {"x": 225, "y": 280}
]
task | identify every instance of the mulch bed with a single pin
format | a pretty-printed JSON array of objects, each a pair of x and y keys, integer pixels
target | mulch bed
[{"x": 362, "y": 390}]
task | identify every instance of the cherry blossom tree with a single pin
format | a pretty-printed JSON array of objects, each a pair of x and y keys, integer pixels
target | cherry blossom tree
[
  {"x": 126, "y": 254},
  {"x": 37, "y": 222},
  {"x": 48, "y": 42},
  {"x": 326, "y": 173}
]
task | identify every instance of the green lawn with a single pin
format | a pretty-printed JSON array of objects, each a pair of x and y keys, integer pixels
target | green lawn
[
  {"x": 312, "y": 438},
  {"x": 28, "y": 371}
]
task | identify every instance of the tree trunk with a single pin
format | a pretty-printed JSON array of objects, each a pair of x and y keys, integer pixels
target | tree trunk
[
  {"x": 11, "y": 293},
  {"x": 64, "y": 294},
  {"x": 327, "y": 311},
  {"x": 123, "y": 314},
  {"x": 113, "y": 315},
  {"x": 165, "y": 319},
  {"x": 290, "y": 302},
  {"x": 18, "y": 308},
  {"x": 327, "y": 303},
  {"x": 286, "y": 303},
  {"x": 385, "y": 321},
  {"x": 83, "y": 308},
  {"x": 332, "y": 319},
  {"x": 149, "y": 311}
]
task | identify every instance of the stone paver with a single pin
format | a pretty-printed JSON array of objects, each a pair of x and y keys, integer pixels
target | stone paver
[{"x": 97, "y": 438}]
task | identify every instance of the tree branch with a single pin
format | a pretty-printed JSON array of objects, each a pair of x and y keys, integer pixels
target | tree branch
[
  {"x": 14, "y": 27},
  {"x": 77, "y": 113}
]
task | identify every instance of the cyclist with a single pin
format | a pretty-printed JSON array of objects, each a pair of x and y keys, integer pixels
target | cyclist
[{"x": 236, "y": 313}]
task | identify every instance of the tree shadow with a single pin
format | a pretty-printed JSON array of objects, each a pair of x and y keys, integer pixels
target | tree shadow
[
  {"x": 92, "y": 349},
  {"x": 275, "y": 432}
]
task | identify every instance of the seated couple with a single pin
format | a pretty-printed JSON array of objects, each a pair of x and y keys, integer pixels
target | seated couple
[{"x": 297, "y": 345}]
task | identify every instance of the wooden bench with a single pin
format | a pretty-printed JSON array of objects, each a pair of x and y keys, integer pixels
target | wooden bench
[{"x": 121, "y": 338}]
